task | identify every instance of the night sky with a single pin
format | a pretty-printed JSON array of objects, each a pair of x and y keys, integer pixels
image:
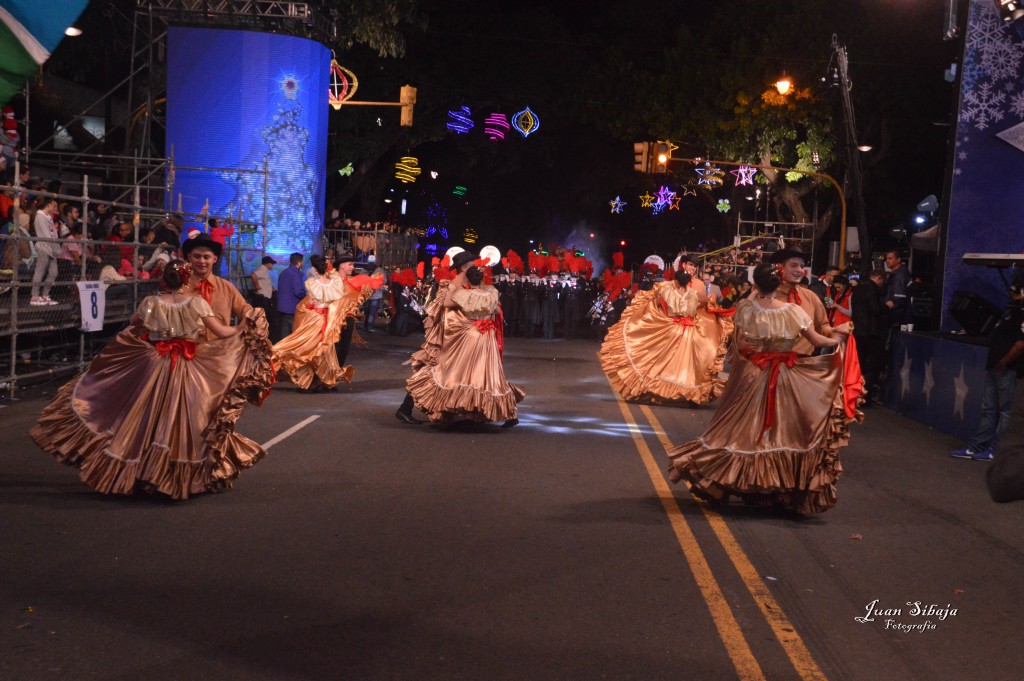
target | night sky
[{"x": 587, "y": 69}]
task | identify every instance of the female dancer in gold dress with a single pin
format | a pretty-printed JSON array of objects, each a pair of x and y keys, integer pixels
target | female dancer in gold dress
[
  {"x": 155, "y": 411},
  {"x": 307, "y": 353},
  {"x": 776, "y": 435},
  {"x": 467, "y": 381},
  {"x": 668, "y": 346}
]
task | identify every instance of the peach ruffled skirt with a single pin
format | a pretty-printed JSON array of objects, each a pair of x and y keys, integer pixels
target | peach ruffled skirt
[
  {"x": 138, "y": 420},
  {"x": 650, "y": 356},
  {"x": 794, "y": 463}
]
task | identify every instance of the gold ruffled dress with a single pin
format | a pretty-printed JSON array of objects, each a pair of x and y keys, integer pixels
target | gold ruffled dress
[
  {"x": 466, "y": 380},
  {"x": 308, "y": 351},
  {"x": 776, "y": 434},
  {"x": 667, "y": 348},
  {"x": 156, "y": 409}
]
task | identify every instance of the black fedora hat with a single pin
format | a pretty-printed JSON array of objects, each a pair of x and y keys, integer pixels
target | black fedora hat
[
  {"x": 461, "y": 258},
  {"x": 201, "y": 240},
  {"x": 787, "y": 254}
]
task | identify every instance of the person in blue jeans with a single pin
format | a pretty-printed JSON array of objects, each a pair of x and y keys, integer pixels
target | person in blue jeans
[{"x": 1004, "y": 368}]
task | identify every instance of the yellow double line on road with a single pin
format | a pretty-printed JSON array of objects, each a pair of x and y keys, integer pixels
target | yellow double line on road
[{"x": 729, "y": 630}]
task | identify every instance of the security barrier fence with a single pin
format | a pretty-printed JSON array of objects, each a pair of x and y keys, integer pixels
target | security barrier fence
[{"x": 47, "y": 339}]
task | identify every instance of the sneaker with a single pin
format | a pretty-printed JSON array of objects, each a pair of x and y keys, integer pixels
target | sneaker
[
  {"x": 37, "y": 301},
  {"x": 50, "y": 301},
  {"x": 985, "y": 455},
  {"x": 965, "y": 453}
]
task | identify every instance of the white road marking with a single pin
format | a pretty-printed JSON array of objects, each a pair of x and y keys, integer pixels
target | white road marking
[{"x": 291, "y": 431}]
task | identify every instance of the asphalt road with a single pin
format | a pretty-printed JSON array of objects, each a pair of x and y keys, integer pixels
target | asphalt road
[{"x": 363, "y": 548}]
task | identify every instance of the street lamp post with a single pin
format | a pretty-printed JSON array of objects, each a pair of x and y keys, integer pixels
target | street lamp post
[{"x": 856, "y": 183}]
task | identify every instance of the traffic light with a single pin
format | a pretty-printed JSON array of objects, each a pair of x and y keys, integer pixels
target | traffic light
[
  {"x": 662, "y": 154},
  {"x": 642, "y": 156},
  {"x": 407, "y": 98}
]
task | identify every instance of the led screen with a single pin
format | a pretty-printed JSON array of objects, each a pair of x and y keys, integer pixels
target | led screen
[{"x": 239, "y": 101}]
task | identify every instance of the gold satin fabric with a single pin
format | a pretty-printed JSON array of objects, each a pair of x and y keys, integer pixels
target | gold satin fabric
[
  {"x": 467, "y": 382},
  {"x": 131, "y": 421},
  {"x": 795, "y": 463},
  {"x": 649, "y": 356},
  {"x": 308, "y": 351},
  {"x": 815, "y": 309},
  {"x": 225, "y": 299}
]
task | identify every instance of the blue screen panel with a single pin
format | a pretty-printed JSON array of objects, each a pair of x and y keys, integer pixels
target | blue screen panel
[{"x": 244, "y": 101}]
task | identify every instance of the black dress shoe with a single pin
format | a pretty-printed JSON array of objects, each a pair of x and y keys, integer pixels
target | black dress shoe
[
  {"x": 406, "y": 418},
  {"x": 511, "y": 422}
]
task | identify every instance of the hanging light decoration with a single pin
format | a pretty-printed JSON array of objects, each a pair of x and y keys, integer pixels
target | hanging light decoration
[
  {"x": 617, "y": 204},
  {"x": 526, "y": 122},
  {"x": 495, "y": 126},
  {"x": 408, "y": 169},
  {"x": 343, "y": 85},
  {"x": 461, "y": 120},
  {"x": 710, "y": 176},
  {"x": 745, "y": 175}
]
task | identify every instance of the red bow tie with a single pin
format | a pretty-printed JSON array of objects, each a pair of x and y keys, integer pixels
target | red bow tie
[{"x": 205, "y": 289}]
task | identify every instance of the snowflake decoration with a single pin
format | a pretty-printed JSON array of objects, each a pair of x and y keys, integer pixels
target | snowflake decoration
[
  {"x": 645, "y": 200},
  {"x": 981, "y": 106},
  {"x": 1017, "y": 104},
  {"x": 723, "y": 206},
  {"x": 617, "y": 204}
]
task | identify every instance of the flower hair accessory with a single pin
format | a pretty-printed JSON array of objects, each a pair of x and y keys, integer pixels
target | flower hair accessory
[
  {"x": 779, "y": 269},
  {"x": 184, "y": 271}
]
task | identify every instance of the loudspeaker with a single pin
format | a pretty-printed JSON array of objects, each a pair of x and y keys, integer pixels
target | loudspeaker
[{"x": 975, "y": 314}]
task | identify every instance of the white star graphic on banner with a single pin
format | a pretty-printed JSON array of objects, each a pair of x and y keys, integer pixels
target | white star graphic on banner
[
  {"x": 905, "y": 375},
  {"x": 929, "y": 383},
  {"x": 960, "y": 385}
]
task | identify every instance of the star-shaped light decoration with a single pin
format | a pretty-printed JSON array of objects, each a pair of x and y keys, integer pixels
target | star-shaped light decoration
[
  {"x": 961, "y": 388},
  {"x": 744, "y": 175},
  {"x": 723, "y": 206},
  {"x": 905, "y": 375},
  {"x": 346, "y": 171},
  {"x": 929, "y": 383},
  {"x": 665, "y": 195},
  {"x": 645, "y": 200},
  {"x": 710, "y": 176},
  {"x": 617, "y": 203},
  {"x": 658, "y": 206},
  {"x": 689, "y": 190},
  {"x": 675, "y": 202}
]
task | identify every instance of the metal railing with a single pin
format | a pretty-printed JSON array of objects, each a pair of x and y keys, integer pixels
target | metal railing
[{"x": 46, "y": 339}]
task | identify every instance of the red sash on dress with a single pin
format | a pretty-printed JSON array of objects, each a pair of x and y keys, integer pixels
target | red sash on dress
[
  {"x": 684, "y": 322},
  {"x": 176, "y": 347},
  {"x": 772, "y": 361},
  {"x": 322, "y": 311}
]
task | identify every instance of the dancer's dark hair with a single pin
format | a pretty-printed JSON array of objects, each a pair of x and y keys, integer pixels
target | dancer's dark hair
[
  {"x": 176, "y": 274},
  {"x": 474, "y": 275},
  {"x": 683, "y": 278},
  {"x": 766, "y": 277},
  {"x": 319, "y": 263}
]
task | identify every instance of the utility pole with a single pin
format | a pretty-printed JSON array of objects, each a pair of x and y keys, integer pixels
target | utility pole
[{"x": 855, "y": 182}]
